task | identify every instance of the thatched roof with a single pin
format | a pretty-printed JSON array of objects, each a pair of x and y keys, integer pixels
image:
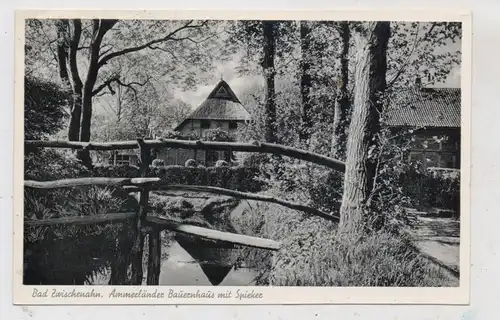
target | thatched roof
[
  {"x": 428, "y": 107},
  {"x": 221, "y": 104}
]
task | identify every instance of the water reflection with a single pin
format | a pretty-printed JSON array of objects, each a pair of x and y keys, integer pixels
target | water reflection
[{"x": 180, "y": 269}]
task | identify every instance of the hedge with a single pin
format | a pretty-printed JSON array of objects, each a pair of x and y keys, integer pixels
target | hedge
[
  {"x": 429, "y": 189},
  {"x": 235, "y": 178}
]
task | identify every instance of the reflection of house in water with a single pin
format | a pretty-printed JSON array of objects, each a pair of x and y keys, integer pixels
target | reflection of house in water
[
  {"x": 221, "y": 110},
  {"x": 434, "y": 114}
]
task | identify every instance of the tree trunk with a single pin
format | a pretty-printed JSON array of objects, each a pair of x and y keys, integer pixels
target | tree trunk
[
  {"x": 342, "y": 100},
  {"x": 269, "y": 48},
  {"x": 76, "y": 111},
  {"x": 370, "y": 83},
  {"x": 76, "y": 114},
  {"x": 305, "y": 82},
  {"x": 65, "y": 45},
  {"x": 62, "y": 52},
  {"x": 100, "y": 27}
]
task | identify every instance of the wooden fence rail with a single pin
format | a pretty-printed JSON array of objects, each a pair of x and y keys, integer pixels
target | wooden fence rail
[
  {"x": 160, "y": 223},
  {"x": 241, "y": 195},
  {"x": 81, "y": 182},
  {"x": 138, "y": 184},
  {"x": 259, "y": 147},
  {"x": 152, "y": 225}
]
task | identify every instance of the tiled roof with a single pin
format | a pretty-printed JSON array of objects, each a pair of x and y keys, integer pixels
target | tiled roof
[
  {"x": 221, "y": 104},
  {"x": 428, "y": 107}
]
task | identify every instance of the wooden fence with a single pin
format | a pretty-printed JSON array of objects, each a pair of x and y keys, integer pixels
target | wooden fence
[{"x": 153, "y": 224}]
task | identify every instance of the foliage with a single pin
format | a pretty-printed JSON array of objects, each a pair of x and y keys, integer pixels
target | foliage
[
  {"x": 149, "y": 109},
  {"x": 416, "y": 49},
  {"x": 52, "y": 164},
  {"x": 152, "y": 112},
  {"x": 170, "y": 134},
  {"x": 387, "y": 202},
  {"x": 158, "y": 163},
  {"x": 431, "y": 190},
  {"x": 44, "y": 108},
  {"x": 104, "y": 54}
]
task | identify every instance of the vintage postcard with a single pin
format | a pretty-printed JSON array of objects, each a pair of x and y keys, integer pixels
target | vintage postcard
[{"x": 217, "y": 157}]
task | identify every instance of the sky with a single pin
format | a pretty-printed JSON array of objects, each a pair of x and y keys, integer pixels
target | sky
[{"x": 239, "y": 83}]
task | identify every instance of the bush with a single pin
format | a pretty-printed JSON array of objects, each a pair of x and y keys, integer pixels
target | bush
[
  {"x": 51, "y": 164},
  {"x": 236, "y": 178},
  {"x": 158, "y": 163},
  {"x": 428, "y": 189},
  {"x": 326, "y": 190},
  {"x": 44, "y": 104},
  {"x": 121, "y": 171}
]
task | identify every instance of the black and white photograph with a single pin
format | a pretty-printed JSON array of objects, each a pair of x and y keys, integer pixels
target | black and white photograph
[{"x": 242, "y": 153}]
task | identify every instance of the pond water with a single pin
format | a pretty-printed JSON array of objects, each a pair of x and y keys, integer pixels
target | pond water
[{"x": 180, "y": 269}]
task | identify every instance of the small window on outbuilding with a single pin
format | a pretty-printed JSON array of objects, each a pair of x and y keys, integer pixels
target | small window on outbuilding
[
  {"x": 222, "y": 93},
  {"x": 233, "y": 125},
  {"x": 205, "y": 124},
  {"x": 120, "y": 160}
]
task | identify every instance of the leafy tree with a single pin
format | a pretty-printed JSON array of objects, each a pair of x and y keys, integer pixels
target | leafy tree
[
  {"x": 93, "y": 54},
  {"x": 416, "y": 48},
  {"x": 266, "y": 48},
  {"x": 148, "y": 114}
]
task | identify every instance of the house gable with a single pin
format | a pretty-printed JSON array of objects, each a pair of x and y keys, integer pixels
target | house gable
[{"x": 222, "y": 104}]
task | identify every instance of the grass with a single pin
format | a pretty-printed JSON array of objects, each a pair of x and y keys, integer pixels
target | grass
[
  {"x": 331, "y": 259},
  {"x": 314, "y": 253}
]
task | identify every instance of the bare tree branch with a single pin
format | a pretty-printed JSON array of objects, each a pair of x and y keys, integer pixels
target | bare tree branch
[
  {"x": 107, "y": 84},
  {"x": 166, "y": 51},
  {"x": 168, "y": 37},
  {"x": 106, "y": 50}
]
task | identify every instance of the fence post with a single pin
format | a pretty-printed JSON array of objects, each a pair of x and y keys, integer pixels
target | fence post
[
  {"x": 154, "y": 257},
  {"x": 138, "y": 248}
]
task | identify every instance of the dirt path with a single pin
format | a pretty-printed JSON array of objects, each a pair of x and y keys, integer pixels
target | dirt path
[{"x": 440, "y": 239}]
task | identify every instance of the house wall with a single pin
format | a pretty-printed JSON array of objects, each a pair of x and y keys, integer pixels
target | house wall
[
  {"x": 172, "y": 156},
  {"x": 195, "y": 126},
  {"x": 436, "y": 147},
  {"x": 206, "y": 158},
  {"x": 115, "y": 159}
]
